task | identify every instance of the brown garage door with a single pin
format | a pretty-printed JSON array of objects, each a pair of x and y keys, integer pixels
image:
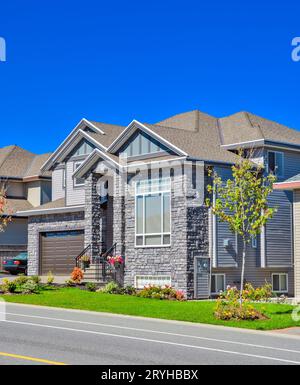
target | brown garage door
[{"x": 58, "y": 251}]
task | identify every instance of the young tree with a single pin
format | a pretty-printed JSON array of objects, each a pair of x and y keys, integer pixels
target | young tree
[
  {"x": 4, "y": 216},
  {"x": 242, "y": 202}
]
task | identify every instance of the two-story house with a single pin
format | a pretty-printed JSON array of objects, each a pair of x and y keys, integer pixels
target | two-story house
[
  {"x": 142, "y": 187},
  {"x": 26, "y": 187}
]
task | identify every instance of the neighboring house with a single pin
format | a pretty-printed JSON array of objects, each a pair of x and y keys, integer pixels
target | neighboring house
[
  {"x": 152, "y": 180},
  {"x": 26, "y": 187}
]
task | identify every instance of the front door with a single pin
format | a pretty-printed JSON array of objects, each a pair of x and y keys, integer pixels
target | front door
[{"x": 202, "y": 278}]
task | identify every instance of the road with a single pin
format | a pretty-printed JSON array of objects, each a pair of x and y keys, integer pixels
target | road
[{"x": 40, "y": 335}]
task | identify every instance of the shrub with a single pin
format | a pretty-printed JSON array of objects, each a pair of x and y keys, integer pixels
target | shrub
[
  {"x": 77, "y": 275},
  {"x": 21, "y": 280},
  {"x": 112, "y": 288},
  {"x": 233, "y": 310},
  {"x": 35, "y": 278},
  {"x": 263, "y": 293},
  {"x": 129, "y": 290},
  {"x": 9, "y": 286},
  {"x": 69, "y": 282},
  {"x": 91, "y": 286},
  {"x": 29, "y": 287},
  {"x": 164, "y": 292},
  {"x": 229, "y": 306},
  {"x": 50, "y": 278}
]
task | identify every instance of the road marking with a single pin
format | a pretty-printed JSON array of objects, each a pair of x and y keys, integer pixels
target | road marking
[
  {"x": 159, "y": 332},
  {"x": 158, "y": 341},
  {"x": 27, "y": 358}
]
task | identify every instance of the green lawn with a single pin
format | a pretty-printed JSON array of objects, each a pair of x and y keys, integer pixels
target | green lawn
[{"x": 193, "y": 311}]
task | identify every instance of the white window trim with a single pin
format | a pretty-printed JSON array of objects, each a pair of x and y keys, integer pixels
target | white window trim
[
  {"x": 218, "y": 274},
  {"x": 64, "y": 173},
  {"x": 254, "y": 242},
  {"x": 138, "y": 276},
  {"x": 162, "y": 234},
  {"x": 287, "y": 283},
  {"x": 75, "y": 168},
  {"x": 276, "y": 152}
]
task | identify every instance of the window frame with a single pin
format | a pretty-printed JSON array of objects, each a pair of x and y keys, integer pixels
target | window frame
[
  {"x": 275, "y": 153},
  {"x": 162, "y": 233},
  {"x": 287, "y": 283},
  {"x": 217, "y": 275},
  {"x": 64, "y": 173},
  {"x": 254, "y": 242},
  {"x": 75, "y": 184},
  {"x": 141, "y": 276}
]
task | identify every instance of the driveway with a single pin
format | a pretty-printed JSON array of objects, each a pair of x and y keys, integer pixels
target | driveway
[{"x": 35, "y": 335}]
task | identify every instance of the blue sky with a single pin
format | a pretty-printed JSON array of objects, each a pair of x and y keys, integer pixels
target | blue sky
[{"x": 113, "y": 61}]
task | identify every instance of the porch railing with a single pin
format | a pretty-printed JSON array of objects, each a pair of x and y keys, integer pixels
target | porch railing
[{"x": 84, "y": 252}]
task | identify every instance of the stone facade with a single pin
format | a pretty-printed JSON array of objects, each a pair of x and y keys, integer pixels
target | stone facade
[
  {"x": 189, "y": 235},
  {"x": 45, "y": 223},
  {"x": 114, "y": 222}
]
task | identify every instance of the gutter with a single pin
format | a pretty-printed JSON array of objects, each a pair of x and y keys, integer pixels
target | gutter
[
  {"x": 287, "y": 185},
  {"x": 57, "y": 210}
]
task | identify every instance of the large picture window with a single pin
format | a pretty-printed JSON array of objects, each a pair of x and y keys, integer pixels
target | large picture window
[{"x": 153, "y": 213}]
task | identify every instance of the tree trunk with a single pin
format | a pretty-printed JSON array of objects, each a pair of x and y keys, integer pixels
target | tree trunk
[{"x": 243, "y": 271}]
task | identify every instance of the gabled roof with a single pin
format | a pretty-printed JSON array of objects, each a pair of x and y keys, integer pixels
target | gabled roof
[
  {"x": 244, "y": 127},
  {"x": 15, "y": 162},
  {"x": 193, "y": 134},
  {"x": 147, "y": 128},
  {"x": 83, "y": 124}
]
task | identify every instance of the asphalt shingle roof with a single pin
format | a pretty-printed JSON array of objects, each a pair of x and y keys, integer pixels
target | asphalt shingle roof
[
  {"x": 15, "y": 162},
  {"x": 201, "y": 135}
]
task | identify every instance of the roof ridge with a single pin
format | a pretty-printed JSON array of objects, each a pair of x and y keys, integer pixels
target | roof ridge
[
  {"x": 14, "y": 146},
  {"x": 220, "y": 132},
  {"x": 257, "y": 126}
]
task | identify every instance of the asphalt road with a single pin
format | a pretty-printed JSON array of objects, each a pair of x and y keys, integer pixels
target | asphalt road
[{"x": 38, "y": 335}]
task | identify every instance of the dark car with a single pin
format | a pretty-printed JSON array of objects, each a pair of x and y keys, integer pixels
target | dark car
[{"x": 16, "y": 265}]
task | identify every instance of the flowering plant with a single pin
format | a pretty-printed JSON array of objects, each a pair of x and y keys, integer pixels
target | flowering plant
[
  {"x": 115, "y": 261},
  {"x": 77, "y": 275}
]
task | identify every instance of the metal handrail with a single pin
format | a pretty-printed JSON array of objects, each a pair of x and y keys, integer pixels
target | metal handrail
[{"x": 81, "y": 254}]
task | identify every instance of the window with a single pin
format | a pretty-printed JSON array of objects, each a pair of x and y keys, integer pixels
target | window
[
  {"x": 254, "y": 242},
  {"x": 78, "y": 181},
  {"x": 275, "y": 163},
  {"x": 143, "y": 144},
  {"x": 280, "y": 282},
  {"x": 104, "y": 192},
  {"x": 158, "y": 280},
  {"x": 217, "y": 283},
  {"x": 153, "y": 213},
  {"x": 84, "y": 148}
]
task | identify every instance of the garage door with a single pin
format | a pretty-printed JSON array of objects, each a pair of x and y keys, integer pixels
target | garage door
[{"x": 59, "y": 250}]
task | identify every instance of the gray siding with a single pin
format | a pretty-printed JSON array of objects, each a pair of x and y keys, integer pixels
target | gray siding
[
  {"x": 74, "y": 195},
  {"x": 15, "y": 189},
  {"x": 58, "y": 191},
  {"x": 297, "y": 242},
  {"x": 226, "y": 256},
  {"x": 15, "y": 233},
  {"x": 279, "y": 231}
]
